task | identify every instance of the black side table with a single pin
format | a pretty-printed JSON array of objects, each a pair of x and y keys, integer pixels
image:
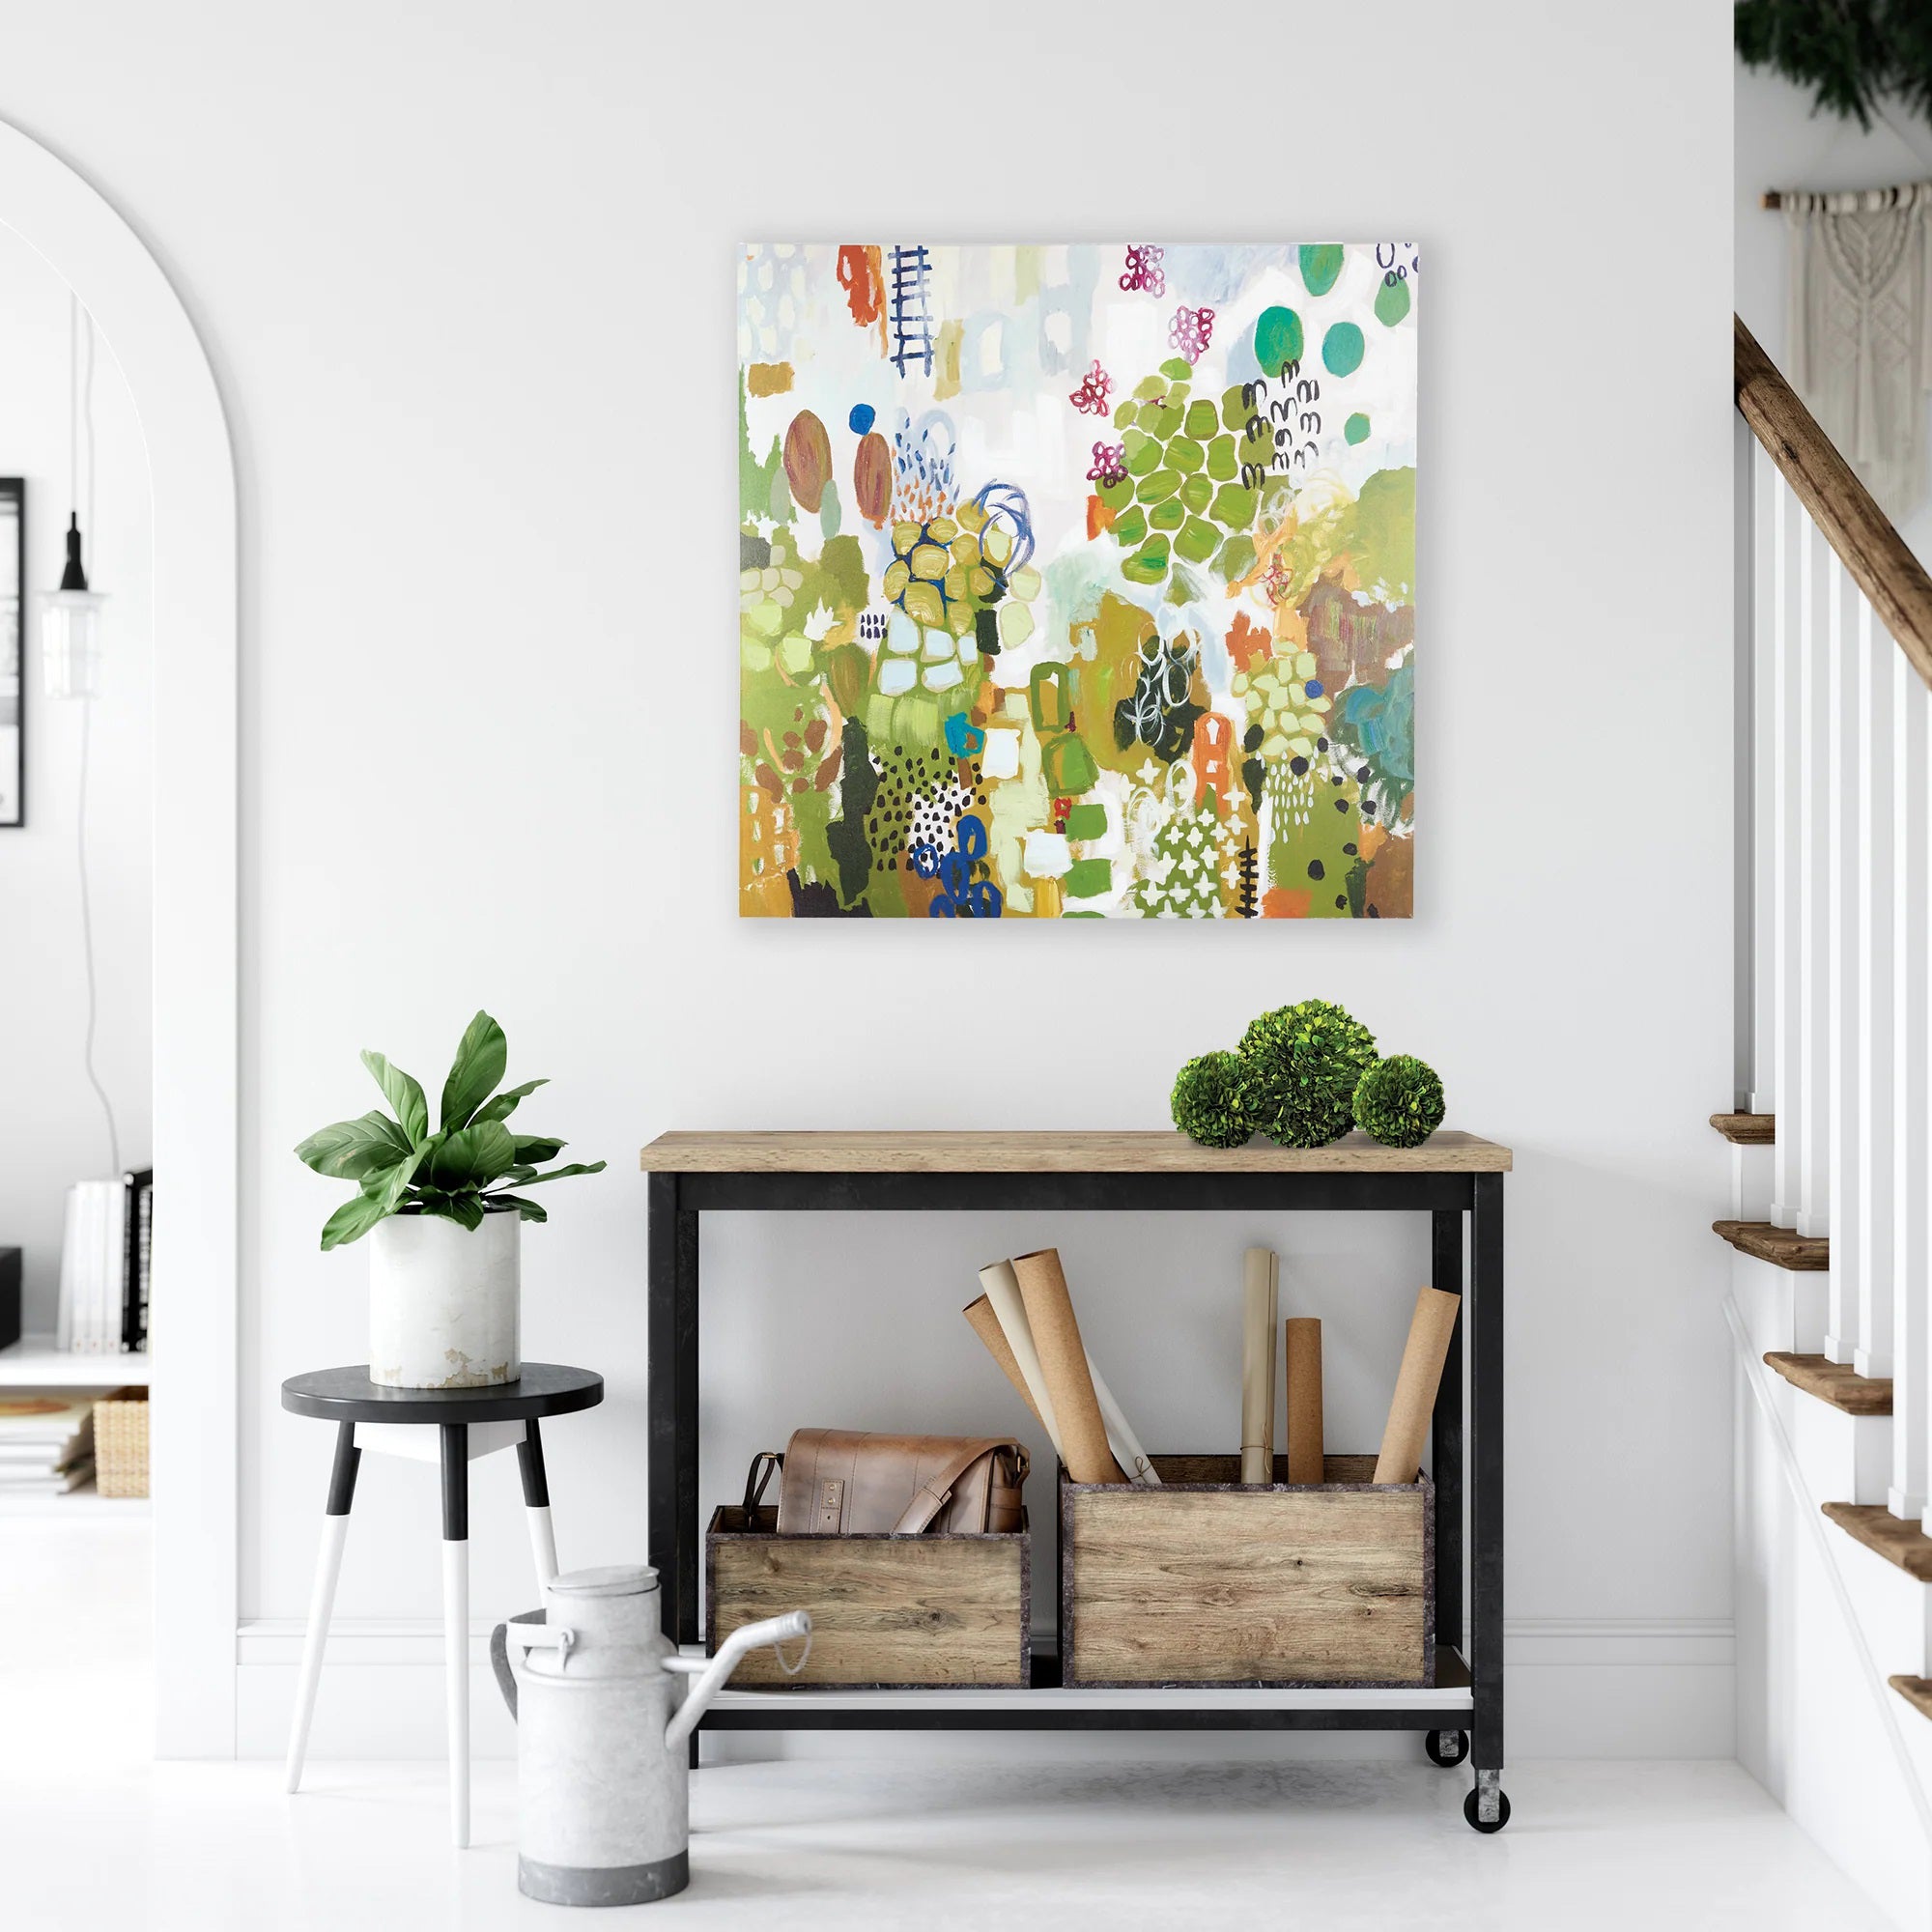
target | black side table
[{"x": 470, "y": 1422}]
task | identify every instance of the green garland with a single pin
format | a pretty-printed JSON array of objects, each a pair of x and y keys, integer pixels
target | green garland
[{"x": 1849, "y": 53}]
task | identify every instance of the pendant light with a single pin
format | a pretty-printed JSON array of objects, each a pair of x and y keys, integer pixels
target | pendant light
[{"x": 71, "y": 617}]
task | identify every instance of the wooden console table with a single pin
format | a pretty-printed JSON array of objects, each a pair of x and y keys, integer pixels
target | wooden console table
[{"x": 1450, "y": 1175}]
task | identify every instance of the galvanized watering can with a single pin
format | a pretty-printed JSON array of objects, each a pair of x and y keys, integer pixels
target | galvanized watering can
[{"x": 604, "y": 1706}]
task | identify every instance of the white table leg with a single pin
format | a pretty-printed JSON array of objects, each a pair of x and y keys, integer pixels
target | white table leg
[
  {"x": 321, "y": 1604},
  {"x": 322, "y": 1598},
  {"x": 543, "y": 1544},
  {"x": 456, "y": 1681}
]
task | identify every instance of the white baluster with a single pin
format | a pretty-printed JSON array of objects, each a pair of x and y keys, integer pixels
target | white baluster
[
  {"x": 1766, "y": 494},
  {"x": 1874, "y": 651},
  {"x": 1911, "y": 705},
  {"x": 1788, "y": 529},
  {"x": 1844, "y": 778},
  {"x": 1816, "y": 566}
]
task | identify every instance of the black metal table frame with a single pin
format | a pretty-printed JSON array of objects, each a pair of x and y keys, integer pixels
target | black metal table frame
[{"x": 678, "y": 1197}]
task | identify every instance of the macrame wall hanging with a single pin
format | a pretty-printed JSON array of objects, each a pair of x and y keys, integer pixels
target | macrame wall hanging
[{"x": 1861, "y": 330}]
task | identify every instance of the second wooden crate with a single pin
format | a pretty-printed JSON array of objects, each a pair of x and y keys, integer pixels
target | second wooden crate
[
  {"x": 888, "y": 1613},
  {"x": 1203, "y": 1580}
]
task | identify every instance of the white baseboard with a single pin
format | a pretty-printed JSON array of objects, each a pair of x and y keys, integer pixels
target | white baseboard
[{"x": 1577, "y": 1688}]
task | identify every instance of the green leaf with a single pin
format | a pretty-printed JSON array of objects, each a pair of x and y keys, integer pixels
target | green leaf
[
  {"x": 403, "y": 1093},
  {"x": 527, "y": 1211},
  {"x": 505, "y": 1104},
  {"x": 465, "y": 1208},
  {"x": 390, "y": 1185},
  {"x": 565, "y": 1173},
  {"x": 353, "y": 1220},
  {"x": 536, "y": 1149},
  {"x": 353, "y": 1148},
  {"x": 471, "y": 1157},
  {"x": 480, "y": 1059}
]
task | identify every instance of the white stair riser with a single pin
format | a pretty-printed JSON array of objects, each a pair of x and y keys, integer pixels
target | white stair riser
[
  {"x": 1783, "y": 1308},
  {"x": 1750, "y": 1184},
  {"x": 1895, "y": 1611},
  {"x": 1844, "y": 1458}
]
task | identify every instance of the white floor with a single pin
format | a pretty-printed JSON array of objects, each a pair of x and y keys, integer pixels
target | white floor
[{"x": 92, "y": 1836}]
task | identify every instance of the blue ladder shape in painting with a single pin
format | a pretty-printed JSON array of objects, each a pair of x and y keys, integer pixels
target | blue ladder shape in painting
[{"x": 911, "y": 318}]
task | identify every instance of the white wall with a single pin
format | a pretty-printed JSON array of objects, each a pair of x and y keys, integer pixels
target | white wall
[
  {"x": 464, "y": 275},
  {"x": 51, "y": 1129},
  {"x": 1782, "y": 143}
]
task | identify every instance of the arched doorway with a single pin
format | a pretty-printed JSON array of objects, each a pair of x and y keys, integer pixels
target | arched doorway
[{"x": 196, "y": 1023}]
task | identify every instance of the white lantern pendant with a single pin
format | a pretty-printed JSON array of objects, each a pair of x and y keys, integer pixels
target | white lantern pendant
[{"x": 70, "y": 627}]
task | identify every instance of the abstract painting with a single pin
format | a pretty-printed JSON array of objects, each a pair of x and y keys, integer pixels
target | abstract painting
[{"x": 1077, "y": 581}]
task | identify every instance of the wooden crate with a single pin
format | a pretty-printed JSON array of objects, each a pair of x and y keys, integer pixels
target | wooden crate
[
  {"x": 888, "y": 1613},
  {"x": 1206, "y": 1581}
]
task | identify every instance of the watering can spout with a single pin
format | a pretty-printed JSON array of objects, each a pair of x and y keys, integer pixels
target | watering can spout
[{"x": 712, "y": 1677}]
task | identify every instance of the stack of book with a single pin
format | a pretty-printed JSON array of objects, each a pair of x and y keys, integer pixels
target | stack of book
[
  {"x": 104, "y": 1264},
  {"x": 46, "y": 1441}
]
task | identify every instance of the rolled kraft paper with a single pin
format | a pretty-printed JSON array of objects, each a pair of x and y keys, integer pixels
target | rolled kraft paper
[
  {"x": 1003, "y": 1296},
  {"x": 1121, "y": 1437},
  {"x": 1416, "y": 1385},
  {"x": 987, "y": 1326},
  {"x": 1063, "y": 1362},
  {"x": 1304, "y": 1399},
  {"x": 1258, "y": 1309}
]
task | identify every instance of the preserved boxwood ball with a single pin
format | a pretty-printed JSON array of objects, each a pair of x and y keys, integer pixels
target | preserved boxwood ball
[
  {"x": 1208, "y": 1102},
  {"x": 1399, "y": 1101},
  {"x": 1303, "y": 1064}
]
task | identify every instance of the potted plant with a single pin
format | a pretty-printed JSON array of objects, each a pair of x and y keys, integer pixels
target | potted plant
[{"x": 444, "y": 1212}]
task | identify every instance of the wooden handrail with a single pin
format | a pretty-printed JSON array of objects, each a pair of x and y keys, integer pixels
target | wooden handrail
[{"x": 1893, "y": 581}]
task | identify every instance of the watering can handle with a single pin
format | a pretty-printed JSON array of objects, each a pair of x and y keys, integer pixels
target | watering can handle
[{"x": 526, "y": 1632}]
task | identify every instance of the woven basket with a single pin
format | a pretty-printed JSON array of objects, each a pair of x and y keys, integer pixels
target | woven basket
[{"x": 121, "y": 1445}]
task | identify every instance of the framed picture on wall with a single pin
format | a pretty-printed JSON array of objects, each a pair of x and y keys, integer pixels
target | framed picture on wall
[
  {"x": 1077, "y": 581},
  {"x": 13, "y": 661}
]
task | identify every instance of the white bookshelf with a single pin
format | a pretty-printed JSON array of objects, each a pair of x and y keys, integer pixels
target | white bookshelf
[{"x": 34, "y": 1362}]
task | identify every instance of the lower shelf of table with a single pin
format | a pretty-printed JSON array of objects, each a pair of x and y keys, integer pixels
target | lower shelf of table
[{"x": 1048, "y": 1705}]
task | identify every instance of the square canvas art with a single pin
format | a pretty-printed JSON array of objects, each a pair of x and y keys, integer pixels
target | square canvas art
[{"x": 1077, "y": 581}]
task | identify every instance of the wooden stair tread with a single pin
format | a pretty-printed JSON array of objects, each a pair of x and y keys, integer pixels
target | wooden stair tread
[
  {"x": 1885, "y": 1535},
  {"x": 1808, "y": 1254},
  {"x": 1833, "y": 1382},
  {"x": 1916, "y": 1691},
  {"x": 1748, "y": 1129}
]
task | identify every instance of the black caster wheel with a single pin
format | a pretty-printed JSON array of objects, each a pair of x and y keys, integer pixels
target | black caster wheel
[
  {"x": 1496, "y": 1823},
  {"x": 1446, "y": 1747}
]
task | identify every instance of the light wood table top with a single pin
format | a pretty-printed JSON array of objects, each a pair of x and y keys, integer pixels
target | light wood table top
[{"x": 1447, "y": 1150}]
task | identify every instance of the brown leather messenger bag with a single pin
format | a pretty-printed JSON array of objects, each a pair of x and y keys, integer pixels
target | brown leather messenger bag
[{"x": 846, "y": 1482}]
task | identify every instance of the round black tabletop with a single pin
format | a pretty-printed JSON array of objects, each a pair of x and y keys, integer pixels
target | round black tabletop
[{"x": 347, "y": 1394}]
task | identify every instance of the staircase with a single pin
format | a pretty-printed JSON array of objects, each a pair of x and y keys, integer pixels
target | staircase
[{"x": 1831, "y": 1224}]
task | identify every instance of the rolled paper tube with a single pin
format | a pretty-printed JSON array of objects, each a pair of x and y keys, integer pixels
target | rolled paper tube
[
  {"x": 1003, "y": 1296},
  {"x": 1416, "y": 1385},
  {"x": 987, "y": 1326},
  {"x": 1258, "y": 1308},
  {"x": 1304, "y": 1399},
  {"x": 1121, "y": 1438},
  {"x": 1063, "y": 1362}
]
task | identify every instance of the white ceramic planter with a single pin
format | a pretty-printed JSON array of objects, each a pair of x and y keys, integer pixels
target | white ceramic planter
[{"x": 445, "y": 1302}]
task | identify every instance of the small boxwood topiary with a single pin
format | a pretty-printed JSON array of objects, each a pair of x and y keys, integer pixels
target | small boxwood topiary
[
  {"x": 1208, "y": 1102},
  {"x": 1302, "y": 1066},
  {"x": 1399, "y": 1101}
]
